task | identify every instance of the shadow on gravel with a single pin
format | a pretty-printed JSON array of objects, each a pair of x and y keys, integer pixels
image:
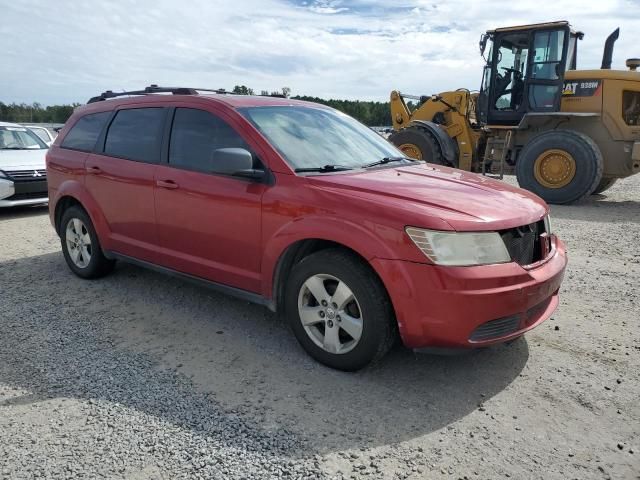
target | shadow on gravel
[
  {"x": 23, "y": 212},
  {"x": 189, "y": 356}
]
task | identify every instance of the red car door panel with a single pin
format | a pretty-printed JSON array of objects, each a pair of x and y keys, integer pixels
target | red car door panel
[
  {"x": 122, "y": 179},
  {"x": 210, "y": 226},
  {"x": 124, "y": 191}
]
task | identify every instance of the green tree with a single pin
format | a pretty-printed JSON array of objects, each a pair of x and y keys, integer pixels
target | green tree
[{"x": 242, "y": 90}]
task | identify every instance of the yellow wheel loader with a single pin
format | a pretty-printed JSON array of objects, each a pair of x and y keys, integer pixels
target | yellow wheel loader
[{"x": 566, "y": 133}]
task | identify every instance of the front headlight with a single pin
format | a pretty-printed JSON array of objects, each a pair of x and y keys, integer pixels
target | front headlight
[{"x": 460, "y": 248}]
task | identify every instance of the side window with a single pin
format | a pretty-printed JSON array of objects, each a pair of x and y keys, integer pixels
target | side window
[
  {"x": 548, "y": 47},
  {"x": 631, "y": 107},
  {"x": 84, "y": 134},
  {"x": 510, "y": 65},
  {"x": 195, "y": 135},
  {"x": 136, "y": 134}
]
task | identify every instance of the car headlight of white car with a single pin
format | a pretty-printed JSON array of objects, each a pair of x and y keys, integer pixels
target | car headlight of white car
[
  {"x": 460, "y": 248},
  {"x": 6, "y": 186}
]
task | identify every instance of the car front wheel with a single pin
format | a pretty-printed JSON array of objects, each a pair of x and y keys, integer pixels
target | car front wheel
[{"x": 339, "y": 310}]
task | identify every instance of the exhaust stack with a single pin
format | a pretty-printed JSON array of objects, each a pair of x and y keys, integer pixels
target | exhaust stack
[{"x": 608, "y": 49}]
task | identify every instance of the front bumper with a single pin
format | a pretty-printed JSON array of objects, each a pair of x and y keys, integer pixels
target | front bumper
[
  {"x": 23, "y": 193},
  {"x": 467, "y": 307}
]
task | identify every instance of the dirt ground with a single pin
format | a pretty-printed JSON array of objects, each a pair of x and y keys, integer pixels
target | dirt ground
[{"x": 113, "y": 378}]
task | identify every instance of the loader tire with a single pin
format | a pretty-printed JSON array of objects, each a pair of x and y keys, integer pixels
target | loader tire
[
  {"x": 604, "y": 185},
  {"x": 560, "y": 166},
  {"x": 419, "y": 144}
]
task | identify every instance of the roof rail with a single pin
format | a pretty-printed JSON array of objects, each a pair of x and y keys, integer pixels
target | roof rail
[{"x": 153, "y": 89}]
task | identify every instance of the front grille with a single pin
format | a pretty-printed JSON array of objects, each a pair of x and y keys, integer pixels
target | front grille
[
  {"x": 37, "y": 186},
  {"x": 496, "y": 328},
  {"x": 523, "y": 243},
  {"x": 35, "y": 174}
]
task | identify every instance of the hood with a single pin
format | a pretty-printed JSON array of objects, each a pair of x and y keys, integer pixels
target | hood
[
  {"x": 466, "y": 201},
  {"x": 22, "y": 159}
]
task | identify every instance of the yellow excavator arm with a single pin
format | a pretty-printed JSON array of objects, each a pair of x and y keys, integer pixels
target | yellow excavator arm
[{"x": 451, "y": 111}]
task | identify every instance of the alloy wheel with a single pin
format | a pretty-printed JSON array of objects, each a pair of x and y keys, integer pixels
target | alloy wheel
[
  {"x": 78, "y": 243},
  {"x": 330, "y": 313}
]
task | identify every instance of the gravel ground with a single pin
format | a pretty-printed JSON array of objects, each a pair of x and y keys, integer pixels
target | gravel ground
[{"x": 143, "y": 376}]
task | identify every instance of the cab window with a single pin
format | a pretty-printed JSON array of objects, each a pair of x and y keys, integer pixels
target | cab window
[
  {"x": 631, "y": 107},
  {"x": 511, "y": 63},
  {"x": 547, "y": 54}
]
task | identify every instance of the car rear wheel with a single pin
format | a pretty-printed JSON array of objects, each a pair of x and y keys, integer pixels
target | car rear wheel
[
  {"x": 339, "y": 310},
  {"x": 80, "y": 245}
]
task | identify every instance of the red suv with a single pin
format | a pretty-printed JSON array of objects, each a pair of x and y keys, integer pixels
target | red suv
[{"x": 300, "y": 208}]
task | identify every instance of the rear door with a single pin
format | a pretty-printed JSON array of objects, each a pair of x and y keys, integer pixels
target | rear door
[
  {"x": 209, "y": 225},
  {"x": 121, "y": 179}
]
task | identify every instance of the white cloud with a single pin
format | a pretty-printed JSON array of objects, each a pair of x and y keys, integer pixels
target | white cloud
[{"x": 66, "y": 51}]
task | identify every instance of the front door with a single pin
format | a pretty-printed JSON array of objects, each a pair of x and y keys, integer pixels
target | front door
[{"x": 209, "y": 225}]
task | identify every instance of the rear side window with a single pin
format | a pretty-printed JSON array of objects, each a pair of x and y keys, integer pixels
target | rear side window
[
  {"x": 84, "y": 134},
  {"x": 631, "y": 107},
  {"x": 136, "y": 134},
  {"x": 194, "y": 137}
]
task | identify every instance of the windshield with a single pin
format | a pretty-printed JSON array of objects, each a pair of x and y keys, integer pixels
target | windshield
[
  {"x": 42, "y": 133},
  {"x": 309, "y": 137},
  {"x": 20, "y": 138}
]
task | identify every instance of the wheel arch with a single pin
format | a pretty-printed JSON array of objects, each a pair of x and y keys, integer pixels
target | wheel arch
[
  {"x": 448, "y": 145},
  {"x": 62, "y": 205},
  {"x": 73, "y": 193},
  {"x": 288, "y": 248}
]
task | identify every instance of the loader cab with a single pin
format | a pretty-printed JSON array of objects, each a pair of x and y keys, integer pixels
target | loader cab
[{"x": 524, "y": 71}]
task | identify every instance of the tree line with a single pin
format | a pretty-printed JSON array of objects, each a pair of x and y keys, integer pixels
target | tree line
[
  {"x": 35, "y": 113},
  {"x": 368, "y": 112}
]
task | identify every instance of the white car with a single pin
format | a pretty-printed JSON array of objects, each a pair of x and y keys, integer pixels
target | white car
[
  {"x": 44, "y": 133},
  {"x": 23, "y": 174}
]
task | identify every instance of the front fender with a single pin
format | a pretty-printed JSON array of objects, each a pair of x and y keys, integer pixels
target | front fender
[{"x": 368, "y": 243}]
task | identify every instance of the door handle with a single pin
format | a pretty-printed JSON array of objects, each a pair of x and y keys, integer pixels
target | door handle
[
  {"x": 94, "y": 170},
  {"x": 170, "y": 184}
]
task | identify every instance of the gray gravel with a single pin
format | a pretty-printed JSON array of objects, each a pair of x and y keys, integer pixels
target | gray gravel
[
  {"x": 74, "y": 404},
  {"x": 143, "y": 376}
]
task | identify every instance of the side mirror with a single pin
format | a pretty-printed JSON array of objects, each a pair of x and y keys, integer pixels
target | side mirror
[
  {"x": 237, "y": 162},
  {"x": 230, "y": 160}
]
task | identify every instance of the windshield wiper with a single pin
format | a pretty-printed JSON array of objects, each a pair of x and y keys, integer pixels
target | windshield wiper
[
  {"x": 384, "y": 161},
  {"x": 325, "y": 168}
]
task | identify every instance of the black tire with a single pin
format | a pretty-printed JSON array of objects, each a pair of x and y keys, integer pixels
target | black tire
[
  {"x": 604, "y": 185},
  {"x": 424, "y": 141},
  {"x": 98, "y": 265},
  {"x": 583, "y": 149},
  {"x": 379, "y": 328}
]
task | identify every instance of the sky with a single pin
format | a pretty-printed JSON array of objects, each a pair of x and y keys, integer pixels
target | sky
[{"x": 66, "y": 51}]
